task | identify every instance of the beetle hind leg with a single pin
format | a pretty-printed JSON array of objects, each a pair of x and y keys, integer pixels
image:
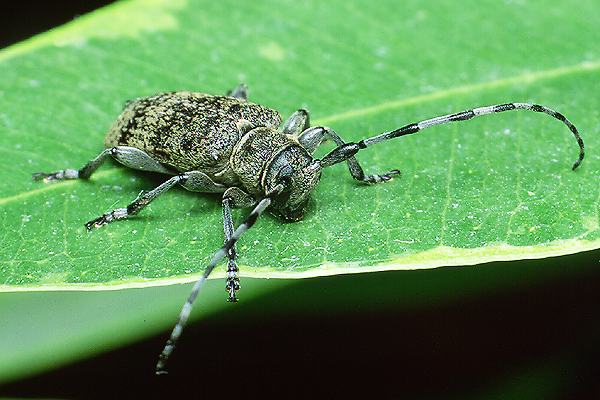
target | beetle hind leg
[
  {"x": 84, "y": 173},
  {"x": 240, "y": 92},
  {"x": 129, "y": 156}
]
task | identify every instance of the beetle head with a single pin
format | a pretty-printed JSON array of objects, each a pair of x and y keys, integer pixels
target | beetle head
[{"x": 300, "y": 174}]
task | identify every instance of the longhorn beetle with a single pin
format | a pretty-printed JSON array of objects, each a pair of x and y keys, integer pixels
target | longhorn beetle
[{"x": 224, "y": 144}]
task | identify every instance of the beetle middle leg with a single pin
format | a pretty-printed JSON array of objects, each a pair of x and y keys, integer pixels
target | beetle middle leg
[
  {"x": 195, "y": 181},
  {"x": 311, "y": 138}
]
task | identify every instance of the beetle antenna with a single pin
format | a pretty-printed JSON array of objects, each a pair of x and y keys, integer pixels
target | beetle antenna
[
  {"x": 343, "y": 152},
  {"x": 218, "y": 256}
]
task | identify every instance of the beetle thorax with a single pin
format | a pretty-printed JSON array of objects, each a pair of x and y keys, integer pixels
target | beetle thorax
[
  {"x": 266, "y": 157},
  {"x": 253, "y": 154}
]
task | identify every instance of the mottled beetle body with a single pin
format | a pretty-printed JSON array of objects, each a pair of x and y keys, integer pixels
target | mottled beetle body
[
  {"x": 188, "y": 131},
  {"x": 236, "y": 144},
  {"x": 223, "y": 144}
]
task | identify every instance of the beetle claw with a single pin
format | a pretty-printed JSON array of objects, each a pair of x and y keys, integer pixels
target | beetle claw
[
  {"x": 390, "y": 175},
  {"x": 96, "y": 223}
]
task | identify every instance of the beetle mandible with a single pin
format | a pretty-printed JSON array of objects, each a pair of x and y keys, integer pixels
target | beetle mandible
[{"x": 224, "y": 144}]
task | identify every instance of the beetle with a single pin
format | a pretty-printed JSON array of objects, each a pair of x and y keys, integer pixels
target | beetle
[{"x": 225, "y": 144}]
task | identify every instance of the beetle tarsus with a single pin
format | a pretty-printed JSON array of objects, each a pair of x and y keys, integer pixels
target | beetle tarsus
[
  {"x": 56, "y": 176},
  {"x": 161, "y": 364},
  {"x": 118, "y": 213},
  {"x": 381, "y": 177},
  {"x": 38, "y": 176},
  {"x": 232, "y": 286}
]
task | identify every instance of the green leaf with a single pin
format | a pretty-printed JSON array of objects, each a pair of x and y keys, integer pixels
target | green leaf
[{"x": 494, "y": 188}]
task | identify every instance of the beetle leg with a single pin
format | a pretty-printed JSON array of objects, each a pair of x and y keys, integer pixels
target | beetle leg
[
  {"x": 233, "y": 281},
  {"x": 297, "y": 123},
  {"x": 84, "y": 173},
  {"x": 196, "y": 181},
  {"x": 135, "y": 206},
  {"x": 138, "y": 159},
  {"x": 239, "y": 198},
  {"x": 128, "y": 156},
  {"x": 233, "y": 197},
  {"x": 311, "y": 138},
  {"x": 240, "y": 92},
  {"x": 193, "y": 180},
  {"x": 242, "y": 228}
]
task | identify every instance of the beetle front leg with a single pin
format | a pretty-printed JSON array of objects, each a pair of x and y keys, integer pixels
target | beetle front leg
[
  {"x": 233, "y": 281},
  {"x": 311, "y": 138},
  {"x": 233, "y": 197}
]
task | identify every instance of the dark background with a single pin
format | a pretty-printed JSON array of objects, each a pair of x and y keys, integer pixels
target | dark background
[
  {"x": 20, "y": 20},
  {"x": 507, "y": 343}
]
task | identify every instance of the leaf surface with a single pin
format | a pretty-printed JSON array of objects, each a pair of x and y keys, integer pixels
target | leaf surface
[{"x": 497, "y": 187}]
